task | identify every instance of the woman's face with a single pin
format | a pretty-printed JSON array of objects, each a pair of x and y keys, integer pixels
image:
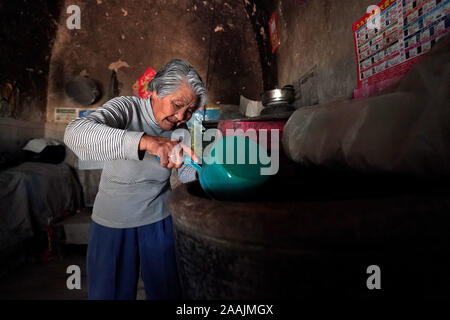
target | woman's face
[{"x": 174, "y": 109}]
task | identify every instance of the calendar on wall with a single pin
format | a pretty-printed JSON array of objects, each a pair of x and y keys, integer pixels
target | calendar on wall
[{"x": 393, "y": 36}]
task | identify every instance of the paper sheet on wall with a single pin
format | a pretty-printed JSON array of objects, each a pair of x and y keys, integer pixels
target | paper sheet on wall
[
  {"x": 65, "y": 115},
  {"x": 390, "y": 41}
]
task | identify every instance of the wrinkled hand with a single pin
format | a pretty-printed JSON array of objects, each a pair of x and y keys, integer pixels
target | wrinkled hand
[{"x": 170, "y": 152}]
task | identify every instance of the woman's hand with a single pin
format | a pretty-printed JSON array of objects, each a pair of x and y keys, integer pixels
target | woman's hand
[{"x": 170, "y": 152}]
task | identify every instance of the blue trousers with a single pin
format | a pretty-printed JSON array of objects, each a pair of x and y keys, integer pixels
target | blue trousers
[{"x": 115, "y": 255}]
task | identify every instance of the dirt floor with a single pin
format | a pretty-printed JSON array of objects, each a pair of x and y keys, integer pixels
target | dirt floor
[{"x": 47, "y": 280}]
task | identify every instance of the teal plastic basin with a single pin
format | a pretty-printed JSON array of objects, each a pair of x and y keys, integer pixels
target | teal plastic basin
[{"x": 232, "y": 170}]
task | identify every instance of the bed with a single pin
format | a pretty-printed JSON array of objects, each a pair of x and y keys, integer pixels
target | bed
[{"x": 31, "y": 195}]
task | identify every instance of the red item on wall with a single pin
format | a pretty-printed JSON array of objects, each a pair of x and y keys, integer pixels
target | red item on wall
[
  {"x": 273, "y": 32},
  {"x": 140, "y": 87}
]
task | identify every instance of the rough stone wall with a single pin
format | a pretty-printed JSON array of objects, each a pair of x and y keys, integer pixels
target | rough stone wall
[
  {"x": 317, "y": 47},
  {"x": 150, "y": 33}
]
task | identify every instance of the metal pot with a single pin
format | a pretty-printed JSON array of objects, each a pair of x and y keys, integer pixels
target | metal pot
[
  {"x": 286, "y": 95},
  {"x": 83, "y": 90}
]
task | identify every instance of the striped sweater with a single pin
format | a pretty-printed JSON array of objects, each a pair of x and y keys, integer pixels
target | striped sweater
[{"x": 133, "y": 188}]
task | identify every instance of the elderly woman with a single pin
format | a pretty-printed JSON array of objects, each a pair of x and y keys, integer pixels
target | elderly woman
[{"x": 132, "y": 227}]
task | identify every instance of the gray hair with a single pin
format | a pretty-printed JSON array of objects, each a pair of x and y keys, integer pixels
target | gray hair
[{"x": 174, "y": 73}]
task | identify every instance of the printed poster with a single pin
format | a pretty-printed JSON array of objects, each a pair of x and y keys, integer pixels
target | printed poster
[{"x": 389, "y": 42}]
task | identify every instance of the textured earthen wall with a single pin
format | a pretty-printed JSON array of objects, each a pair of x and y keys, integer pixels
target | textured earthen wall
[
  {"x": 317, "y": 36},
  {"x": 216, "y": 37},
  {"x": 150, "y": 33},
  {"x": 27, "y": 29}
]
